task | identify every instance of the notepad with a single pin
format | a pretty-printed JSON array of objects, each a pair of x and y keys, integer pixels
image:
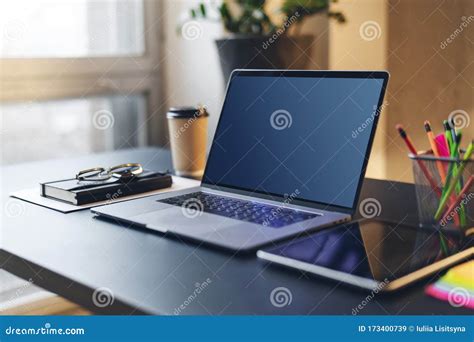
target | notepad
[
  {"x": 456, "y": 286},
  {"x": 32, "y": 195}
]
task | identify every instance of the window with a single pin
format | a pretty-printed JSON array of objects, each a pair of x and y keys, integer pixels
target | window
[
  {"x": 57, "y": 128},
  {"x": 77, "y": 28},
  {"x": 63, "y": 64}
]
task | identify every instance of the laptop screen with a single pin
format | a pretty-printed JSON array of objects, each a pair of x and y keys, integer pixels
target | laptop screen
[{"x": 305, "y": 137}]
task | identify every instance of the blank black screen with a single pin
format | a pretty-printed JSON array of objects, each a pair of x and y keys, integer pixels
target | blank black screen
[
  {"x": 304, "y": 136},
  {"x": 371, "y": 249}
]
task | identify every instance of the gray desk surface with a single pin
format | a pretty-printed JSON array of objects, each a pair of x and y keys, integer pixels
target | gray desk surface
[{"x": 75, "y": 254}]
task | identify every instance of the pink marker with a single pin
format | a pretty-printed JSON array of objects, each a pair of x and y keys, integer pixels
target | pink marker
[{"x": 442, "y": 145}]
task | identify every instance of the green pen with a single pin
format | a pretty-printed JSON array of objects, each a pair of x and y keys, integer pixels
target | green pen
[
  {"x": 449, "y": 141},
  {"x": 447, "y": 134},
  {"x": 452, "y": 128},
  {"x": 455, "y": 154},
  {"x": 453, "y": 151},
  {"x": 457, "y": 175}
]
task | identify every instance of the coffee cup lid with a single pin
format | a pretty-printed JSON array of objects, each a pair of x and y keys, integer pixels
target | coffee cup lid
[{"x": 187, "y": 112}]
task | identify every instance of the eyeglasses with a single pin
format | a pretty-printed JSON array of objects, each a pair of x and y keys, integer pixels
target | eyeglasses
[{"x": 100, "y": 174}]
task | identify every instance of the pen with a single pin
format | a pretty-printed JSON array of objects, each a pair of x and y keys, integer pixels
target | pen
[
  {"x": 448, "y": 135},
  {"x": 454, "y": 134},
  {"x": 434, "y": 147},
  {"x": 454, "y": 148},
  {"x": 412, "y": 149},
  {"x": 456, "y": 176},
  {"x": 450, "y": 142},
  {"x": 460, "y": 183},
  {"x": 452, "y": 127}
]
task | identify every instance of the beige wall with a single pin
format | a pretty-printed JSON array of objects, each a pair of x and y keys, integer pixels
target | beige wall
[{"x": 427, "y": 82}]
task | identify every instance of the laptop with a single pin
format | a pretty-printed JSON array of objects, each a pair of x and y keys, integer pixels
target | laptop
[{"x": 288, "y": 156}]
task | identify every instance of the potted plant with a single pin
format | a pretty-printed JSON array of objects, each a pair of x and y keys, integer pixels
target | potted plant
[{"x": 255, "y": 40}]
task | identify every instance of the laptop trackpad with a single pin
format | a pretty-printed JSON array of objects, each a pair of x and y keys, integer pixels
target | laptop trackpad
[{"x": 175, "y": 219}]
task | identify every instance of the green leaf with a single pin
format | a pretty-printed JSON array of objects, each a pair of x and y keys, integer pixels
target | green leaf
[
  {"x": 202, "y": 7},
  {"x": 254, "y": 20}
]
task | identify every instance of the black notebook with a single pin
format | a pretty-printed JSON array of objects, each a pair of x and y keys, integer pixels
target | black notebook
[{"x": 83, "y": 192}]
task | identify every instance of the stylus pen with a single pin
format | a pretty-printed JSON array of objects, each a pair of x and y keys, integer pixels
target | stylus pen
[
  {"x": 412, "y": 149},
  {"x": 460, "y": 197},
  {"x": 434, "y": 147},
  {"x": 456, "y": 176}
]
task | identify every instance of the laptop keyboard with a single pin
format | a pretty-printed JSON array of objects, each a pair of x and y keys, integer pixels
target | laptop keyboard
[{"x": 264, "y": 214}]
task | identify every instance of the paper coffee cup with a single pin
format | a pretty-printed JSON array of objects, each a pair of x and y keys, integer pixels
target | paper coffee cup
[{"x": 188, "y": 135}]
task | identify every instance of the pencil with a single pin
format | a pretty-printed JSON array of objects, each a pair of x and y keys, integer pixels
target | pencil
[
  {"x": 460, "y": 183},
  {"x": 453, "y": 166},
  {"x": 453, "y": 205},
  {"x": 434, "y": 147},
  {"x": 457, "y": 174},
  {"x": 412, "y": 149}
]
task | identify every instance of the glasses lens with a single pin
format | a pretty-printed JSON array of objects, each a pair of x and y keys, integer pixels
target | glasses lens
[
  {"x": 125, "y": 170},
  {"x": 93, "y": 175}
]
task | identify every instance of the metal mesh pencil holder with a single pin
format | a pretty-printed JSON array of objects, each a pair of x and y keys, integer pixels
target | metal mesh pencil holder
[{"x": 434, "y": 177}]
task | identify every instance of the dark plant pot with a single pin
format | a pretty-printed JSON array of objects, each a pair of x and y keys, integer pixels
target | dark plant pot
[{"x": 264, "y": 52}]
